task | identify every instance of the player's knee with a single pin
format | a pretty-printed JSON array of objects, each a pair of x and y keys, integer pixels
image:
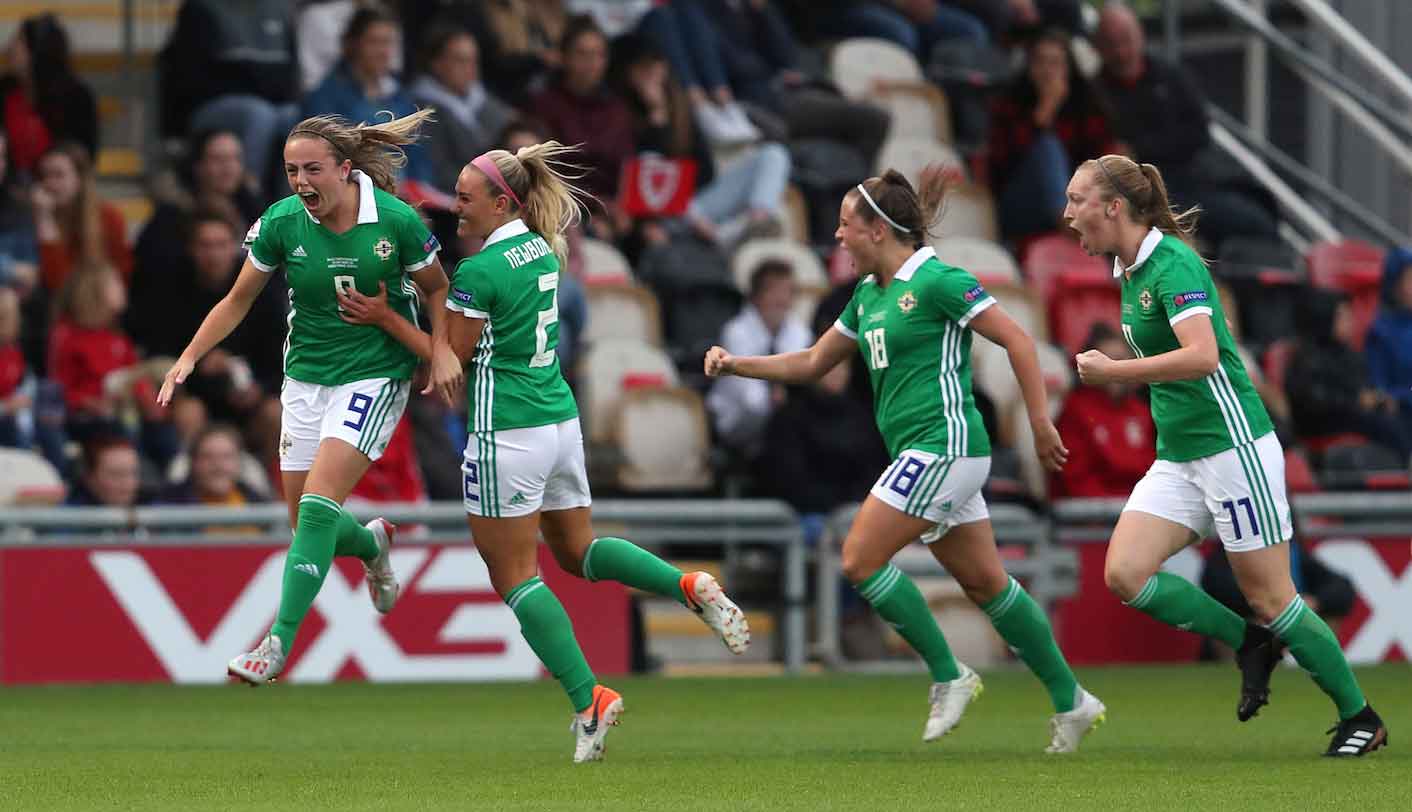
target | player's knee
[
  {"x": 1267, "y": 605},
  {"x": 984, "y": 587},
  {"x": 1124, "y": 578},
  {"x": 570, "y": 561},
  {"x": 857, "y": 564}
]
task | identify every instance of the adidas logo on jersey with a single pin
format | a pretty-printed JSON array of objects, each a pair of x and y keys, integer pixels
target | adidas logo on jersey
[
  {"x": 299, "y": 252},
  {"x": 308, "y": 568}
]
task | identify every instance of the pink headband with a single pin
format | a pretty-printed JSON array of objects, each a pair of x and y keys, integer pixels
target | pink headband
[{"x": 484, "y": 163}]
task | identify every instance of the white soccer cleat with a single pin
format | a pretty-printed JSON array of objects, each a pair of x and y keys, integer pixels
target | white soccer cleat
[
  {"x": 590, "y": 728},
  {"x": 1068, "y": 728},
  {"x": 949, "y": 701},
  {"x": 261, "y": 665},
  {"x": 382, "y": 581},
  {"x": 705, "y": 597}
]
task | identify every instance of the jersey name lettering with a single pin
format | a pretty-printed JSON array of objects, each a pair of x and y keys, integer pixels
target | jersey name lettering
[{"x": 527, "y": 252}]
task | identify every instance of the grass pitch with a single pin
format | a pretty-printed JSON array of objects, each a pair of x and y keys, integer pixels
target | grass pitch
[{"x": 821, "y": 742}]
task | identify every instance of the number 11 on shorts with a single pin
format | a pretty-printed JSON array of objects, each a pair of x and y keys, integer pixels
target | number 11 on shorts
[{"x": 1230, "y": 507}]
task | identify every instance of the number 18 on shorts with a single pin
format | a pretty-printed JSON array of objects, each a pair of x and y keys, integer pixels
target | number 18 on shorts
[{"x": 944, "y": 490}]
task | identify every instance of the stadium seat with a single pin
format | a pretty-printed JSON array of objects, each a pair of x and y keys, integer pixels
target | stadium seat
[
  {"x": 663, "y": 440},
  {"x": 623, "y": 311},
  {"x": 1046, "y": 257},
  {"x": 857, "y": 65},
  {"x": 1299, "y": 474},
  {"x": 969, "y": 211},
  {"x": 1022, "y": 305},
  {"x": 603, "y": 264},
  {"x": 918, "y": 110},
  {"x": 911, "y": 155},
  {"x": 986, "y": 260},
  {"x": 29, "y": 479},
  {"x": 1363, "y": 467},
  {"x": 1079, "y": 300},
  {"x": 1354, "y": 267},
  {"x": 796, "y": 214},
  {"x": 809, "y": 271},
  {"x": 610, "y": 366}
]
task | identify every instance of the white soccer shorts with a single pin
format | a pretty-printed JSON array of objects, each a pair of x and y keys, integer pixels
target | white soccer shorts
[
  {"x": 1241, "y": 491},
  {"x": 945, "y": 490},
  {"x": 516, "y": 472},
  {"x": 362, "y": 414}
]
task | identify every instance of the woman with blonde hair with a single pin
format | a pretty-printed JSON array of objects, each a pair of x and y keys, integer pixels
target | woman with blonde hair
[
  {"x": 346, "y": 383},
  {"x": 1219, "y": 464},
  {"x": 524, "y": 472},
  {"x": 912, "y": 318}
]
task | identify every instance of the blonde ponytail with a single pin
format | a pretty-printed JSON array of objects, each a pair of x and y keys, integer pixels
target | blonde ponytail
[
  {"x": 373, "y": 149},
  {"x": 1141, "y": 187},
  {"x": 543, "y": 183}
]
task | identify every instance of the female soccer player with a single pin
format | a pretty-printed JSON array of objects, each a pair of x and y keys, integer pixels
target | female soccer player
[
  {"x": 345, "y": 384},
  {"x": 1218, "y": 460},
  {"x": 524, "y": 466},
  {"x": 912, "y": 318}
]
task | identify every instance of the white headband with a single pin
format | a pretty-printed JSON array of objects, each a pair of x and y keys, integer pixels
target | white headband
[{"x": 880, "y": 212}]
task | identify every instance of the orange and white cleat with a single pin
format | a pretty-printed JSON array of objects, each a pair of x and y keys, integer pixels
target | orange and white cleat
[
  {"x": 705, "y": 597},
  {"x": 382, "y": 581},
  {"x": 261, "y": 665},
  {"x": 590, "y": 727}
]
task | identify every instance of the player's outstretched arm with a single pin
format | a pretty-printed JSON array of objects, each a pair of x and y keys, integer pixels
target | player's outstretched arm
[
  {"x": 1198, "y": 356},
  {"x": 789, "y": 367},
  {"x": 997, "y": 326},
  {"x": 219, "y": 323}
]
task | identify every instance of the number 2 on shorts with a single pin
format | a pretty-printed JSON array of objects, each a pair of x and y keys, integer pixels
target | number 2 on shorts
[{"x": 1230, "y": 507}]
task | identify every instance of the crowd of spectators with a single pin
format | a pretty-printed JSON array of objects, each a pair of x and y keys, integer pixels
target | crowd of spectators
[{"x": 88, "y": 318}]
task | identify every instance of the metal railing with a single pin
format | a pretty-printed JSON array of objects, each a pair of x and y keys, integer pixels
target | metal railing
[{"x": 728, "y": 523}]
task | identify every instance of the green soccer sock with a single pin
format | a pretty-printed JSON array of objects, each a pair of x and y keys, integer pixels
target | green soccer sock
[
  {"x": 306, "y": 565},
  {"x": 354, "y": 539},
  {"x": 546, "y": 627},
  {"x": 1178, "y": 602},
  {"x": 1317, "y": 651},
  {"x": 901, "y": 604},
  {"x": 1025, "y": 628},
  {"x": 615, "y": 559}
]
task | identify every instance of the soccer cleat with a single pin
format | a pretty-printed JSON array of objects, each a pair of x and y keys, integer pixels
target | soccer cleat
[
  {"x": 705, "y": 597},
  {"x": 949, "y": 701},
  {"x": 590, "y": 727},
  {"x": 1067, "y": 729},
  {"x": 1257, "y": 658},
  {"x": 261, "y": 665},
  {"x": 382, "y": 581},
  {"x": 1358, "y": 735}
]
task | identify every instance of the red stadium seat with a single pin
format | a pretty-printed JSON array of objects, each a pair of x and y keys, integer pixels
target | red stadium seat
[
  {"x": 1081, "y": 299},
  {"x": 1276, "y": 361},
  {"x": 1299, "y": 474},
  {"x": 1044, "y": 258},
  {"x": 1356, "y": 268}
]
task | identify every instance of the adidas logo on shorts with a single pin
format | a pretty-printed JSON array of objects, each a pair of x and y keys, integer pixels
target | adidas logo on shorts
[{"x": 517, "y": 499}]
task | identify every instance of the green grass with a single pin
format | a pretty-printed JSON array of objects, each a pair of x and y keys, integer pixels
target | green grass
[{"x": 825, "y": 742}]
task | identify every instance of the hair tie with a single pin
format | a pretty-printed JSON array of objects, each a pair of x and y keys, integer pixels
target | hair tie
[
  {"x": 880, "y": 212},
  {"x": 486, "y": 164}
]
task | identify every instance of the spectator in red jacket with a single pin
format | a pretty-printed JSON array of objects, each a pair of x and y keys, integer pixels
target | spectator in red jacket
[
  {"x": 579, "y": 107},
  {"x": 76, "y": 228},
  {"x": 42, "y": 100},
  {"x": 85, "y": 348},
  {"x": 1108, "y": 430},
  {"x": 1049, "y": 122}
]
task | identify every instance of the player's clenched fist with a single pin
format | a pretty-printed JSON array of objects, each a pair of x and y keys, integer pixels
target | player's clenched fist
[{"x": 719, "y": 362}]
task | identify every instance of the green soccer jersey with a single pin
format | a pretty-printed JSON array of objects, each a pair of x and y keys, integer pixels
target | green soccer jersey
[
  {"x": 387, "y": 243},
  {"x": 914, "y": 336},
  {"x": 513, "y": 283},
  {"x": 1197, "y": 418}
]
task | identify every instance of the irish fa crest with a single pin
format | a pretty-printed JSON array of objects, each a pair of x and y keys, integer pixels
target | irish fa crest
[
  {"x": 906, "y": 302},
  {"x": 383, "y": 248},
  {"x": 1145, "y": 299}
]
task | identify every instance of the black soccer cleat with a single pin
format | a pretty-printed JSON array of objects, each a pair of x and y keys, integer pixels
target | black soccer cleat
[
  {"x": 1358, "y": 735},
  {"x": 1257, "y": 658}
]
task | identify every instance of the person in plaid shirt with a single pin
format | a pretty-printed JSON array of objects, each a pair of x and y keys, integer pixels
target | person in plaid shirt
[{"x": 1049, "y": 122}]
